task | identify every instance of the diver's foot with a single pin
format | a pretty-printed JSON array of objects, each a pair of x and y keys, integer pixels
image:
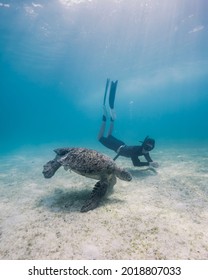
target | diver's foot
[
  {"x": 105, "y": 114},
  {"x": 113, "y": 115}
]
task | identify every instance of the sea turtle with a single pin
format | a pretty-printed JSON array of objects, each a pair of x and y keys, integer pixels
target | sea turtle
[{"x": 89, "y": 163}]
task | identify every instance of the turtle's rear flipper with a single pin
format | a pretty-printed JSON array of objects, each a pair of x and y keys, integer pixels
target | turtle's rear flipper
[
  {"x": 50, "y": 168},
  {"x": 97, "y": 193},
  {"x": 62, "y": 151}
]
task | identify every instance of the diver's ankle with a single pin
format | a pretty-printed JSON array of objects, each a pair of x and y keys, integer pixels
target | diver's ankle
[{"x": 104, "y": 118}]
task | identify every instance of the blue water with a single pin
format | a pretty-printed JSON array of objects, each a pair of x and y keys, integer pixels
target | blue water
[{"x": 55, "y": 57}]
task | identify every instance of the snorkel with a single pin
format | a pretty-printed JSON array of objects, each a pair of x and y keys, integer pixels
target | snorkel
[{"x": 148, "y": 144}]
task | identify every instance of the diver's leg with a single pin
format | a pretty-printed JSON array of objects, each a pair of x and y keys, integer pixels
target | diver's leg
[
  {"x": 102, "y": 128},
  {"x": 103, "y": 124},
  {"x": 110, "y": 131}
]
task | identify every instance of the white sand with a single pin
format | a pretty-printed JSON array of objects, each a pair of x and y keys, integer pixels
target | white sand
[{"x": 161, "y": 215}]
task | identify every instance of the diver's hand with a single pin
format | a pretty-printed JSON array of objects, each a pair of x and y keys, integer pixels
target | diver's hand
[{"x": 154, "y": 164}]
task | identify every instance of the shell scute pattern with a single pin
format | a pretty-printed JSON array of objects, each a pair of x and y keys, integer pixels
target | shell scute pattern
[{"x": 89, "y": 161}]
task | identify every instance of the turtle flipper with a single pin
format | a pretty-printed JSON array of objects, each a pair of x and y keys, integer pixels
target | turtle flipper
[
  {"x": 50, "y": 168},
  {"x": 62, "y": 151},
  {"x": 97, "y": 193}
]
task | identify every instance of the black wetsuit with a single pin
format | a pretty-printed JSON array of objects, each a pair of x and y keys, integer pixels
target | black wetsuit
[{"x": 132, "y": 152}]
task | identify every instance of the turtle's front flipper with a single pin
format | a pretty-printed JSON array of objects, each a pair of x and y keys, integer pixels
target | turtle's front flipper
[
  {"x": 50, "y": 168},
  {"x": 97, "y": 193}
]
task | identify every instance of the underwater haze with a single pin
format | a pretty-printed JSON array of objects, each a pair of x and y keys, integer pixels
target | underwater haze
[{"x": 55, "y": 57}]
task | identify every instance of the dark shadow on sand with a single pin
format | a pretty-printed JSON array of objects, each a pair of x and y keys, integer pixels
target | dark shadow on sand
[{"x": 70, "y": 201}]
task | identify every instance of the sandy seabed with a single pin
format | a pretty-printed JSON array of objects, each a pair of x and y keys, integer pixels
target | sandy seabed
[{"x": 158, "y": 215}]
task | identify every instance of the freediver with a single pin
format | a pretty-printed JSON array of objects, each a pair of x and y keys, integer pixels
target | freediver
[{"x": 133, "y": 152}]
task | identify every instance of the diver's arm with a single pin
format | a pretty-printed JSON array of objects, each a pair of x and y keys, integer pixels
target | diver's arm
[
  {"x": 150, "y": 161},
  {"x": 147, "y": 157},
  {"x": 137, "y": 162}
]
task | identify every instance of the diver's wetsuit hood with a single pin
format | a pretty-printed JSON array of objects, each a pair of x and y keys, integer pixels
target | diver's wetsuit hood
[{"x": 148, "y": 144}]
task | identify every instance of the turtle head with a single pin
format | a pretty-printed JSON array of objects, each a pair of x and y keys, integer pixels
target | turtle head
[{"x": 123, "y": 174}]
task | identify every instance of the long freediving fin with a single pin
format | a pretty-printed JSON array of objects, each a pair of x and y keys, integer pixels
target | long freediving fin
[
  {"x": 104, "y": 100},
  {"x": 106, "y": 90},
  {"x": 112, "y": 94}
]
